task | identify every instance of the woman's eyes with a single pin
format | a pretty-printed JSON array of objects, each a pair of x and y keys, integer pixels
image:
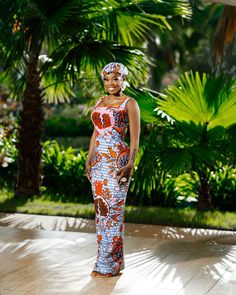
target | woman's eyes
[{"x": 115, "y": 79}]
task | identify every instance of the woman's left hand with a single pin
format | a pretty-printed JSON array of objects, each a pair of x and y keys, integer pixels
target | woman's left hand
[{"x": 126, "y": 171}]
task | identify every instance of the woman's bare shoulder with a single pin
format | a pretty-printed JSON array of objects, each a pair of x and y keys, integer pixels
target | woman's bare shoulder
[
  {"x": 97, "y": 101},
  {"x": 102, "y": 97},
  {"x": 131, "y": 101},
  {"x": 131, "y": 104}
]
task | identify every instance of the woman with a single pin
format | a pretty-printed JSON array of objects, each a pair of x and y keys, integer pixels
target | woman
[{"x": 109, "y": 166}]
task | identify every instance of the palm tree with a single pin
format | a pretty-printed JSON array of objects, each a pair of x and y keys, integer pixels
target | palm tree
[
  {"x": 200, "y": 119},
  {"x": 77, "y": 36}
]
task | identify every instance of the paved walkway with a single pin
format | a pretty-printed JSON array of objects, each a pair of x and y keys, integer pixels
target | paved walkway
[{"x": 55, "y": 255}]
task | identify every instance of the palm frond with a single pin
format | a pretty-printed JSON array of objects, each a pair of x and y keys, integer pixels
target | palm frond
[
  {"x": 148, "y": 170},
  {"x": 177, "y": 160},
  {"x": 55, "y": 91},
  {"x": 147, "y": 103},
  {"x": 168, "y": 8},
  {"x": 225, "y": 115},
  {"x": 74, "y": 61},
  {"x": 191, "y": 133},
  {"x": 129, "y": 22},
  {"x": 134, "y": 28},
  {"x": 74, "y": 33},
  {"x": 203, "y": 109},
  {"x": 205, "y": 100}
]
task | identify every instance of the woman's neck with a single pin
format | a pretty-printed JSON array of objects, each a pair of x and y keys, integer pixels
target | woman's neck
[{"x": 118, "y": 95}]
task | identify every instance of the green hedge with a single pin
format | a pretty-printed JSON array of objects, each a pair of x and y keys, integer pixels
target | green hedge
[
  {"x": 64, "y": 172},
  {"x": 68, "y": 127}
]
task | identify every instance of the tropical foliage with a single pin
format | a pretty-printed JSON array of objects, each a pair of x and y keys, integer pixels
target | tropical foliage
[
  {"x": 8, "y": 155},
  {"x": 201, "y": 114},
  {"x": 78, "y": 37},
  {"x": 66, "y": 126},
  {"x": 64, "y": 172},
  {"x": 67, "y": 166}
]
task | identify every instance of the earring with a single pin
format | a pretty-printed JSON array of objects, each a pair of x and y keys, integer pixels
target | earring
[{"x": 123, "y": 86}]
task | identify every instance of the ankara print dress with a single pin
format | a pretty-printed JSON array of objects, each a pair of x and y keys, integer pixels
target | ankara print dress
[{"x": 111, "y": 153}]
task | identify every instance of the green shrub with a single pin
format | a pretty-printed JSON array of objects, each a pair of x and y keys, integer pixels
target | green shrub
[
  {"x": 159, "y": 189},
  {"x": 180, "y": 191},
  {"x": 223, "y": 187},
  {"x": 64, "y": 172},
  {"x": 68, "y": 127},
  {"x": 8, "y": 155},
  {"x": 222, "y": 183}
]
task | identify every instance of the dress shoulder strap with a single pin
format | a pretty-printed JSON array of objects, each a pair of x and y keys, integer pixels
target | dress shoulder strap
[
  {"x": 123, "y": 105},
  {"x": 98, "y": 102}
]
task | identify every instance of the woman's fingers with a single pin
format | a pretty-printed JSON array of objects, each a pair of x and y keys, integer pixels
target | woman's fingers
[
  {"x": 88, "y": 176},
  {"x": 124, "y": 173},
  {"x": 88, "y": 172},
  {"x": 119, "y": 171},
  {"x": 120, "y": 174}
]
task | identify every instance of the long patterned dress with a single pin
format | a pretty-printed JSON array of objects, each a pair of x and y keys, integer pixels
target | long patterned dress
[{"x": 111, "y": 153}]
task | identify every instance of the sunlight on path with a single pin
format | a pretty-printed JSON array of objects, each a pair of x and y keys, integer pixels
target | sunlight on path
[{"x": 43, "y": 255}]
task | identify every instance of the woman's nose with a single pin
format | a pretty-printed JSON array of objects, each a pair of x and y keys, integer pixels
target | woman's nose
[{"x": 111, "y": 81}]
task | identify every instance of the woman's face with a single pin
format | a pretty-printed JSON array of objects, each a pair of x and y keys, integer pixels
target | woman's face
[{"x": 113, "y": 83}]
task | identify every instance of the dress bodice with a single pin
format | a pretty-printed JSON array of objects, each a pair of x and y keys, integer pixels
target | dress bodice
[{"x": 108, "y": 120}]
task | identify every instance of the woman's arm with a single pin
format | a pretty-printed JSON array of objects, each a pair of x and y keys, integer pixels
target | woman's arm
[
  {"x": 134, "y": 127},
  {"x": 90, "y": 154}
]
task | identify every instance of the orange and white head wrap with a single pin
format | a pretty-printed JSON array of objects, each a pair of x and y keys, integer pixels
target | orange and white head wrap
[{"x": 115, "y": 67}]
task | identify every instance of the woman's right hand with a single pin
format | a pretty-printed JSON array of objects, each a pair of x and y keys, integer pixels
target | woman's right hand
[{"x": 88, "y": 170}]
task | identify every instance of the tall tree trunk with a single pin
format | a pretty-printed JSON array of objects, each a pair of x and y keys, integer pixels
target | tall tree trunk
[
  {"x": 162, "y": 59},
  {"x": 223, "y": 43},
  {"x": 204, "y": 194},
  {"x": 29, "y": 145}
]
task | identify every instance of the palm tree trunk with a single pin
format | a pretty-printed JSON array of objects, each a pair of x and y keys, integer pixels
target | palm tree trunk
[
  {"x": 225, "y": 2},
  {"x": 223, "y": 41},
  {"x": 204, "y": 192},
  {"x": 204, "y": 196},
  {"x": 29, "y": 145}
]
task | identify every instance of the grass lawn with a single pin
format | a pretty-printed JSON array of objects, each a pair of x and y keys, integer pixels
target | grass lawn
[{"x": 150, "y": 215}]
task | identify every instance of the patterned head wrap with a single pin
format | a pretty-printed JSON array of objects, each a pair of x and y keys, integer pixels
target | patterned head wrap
[{"x": 114, "y": 67}]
